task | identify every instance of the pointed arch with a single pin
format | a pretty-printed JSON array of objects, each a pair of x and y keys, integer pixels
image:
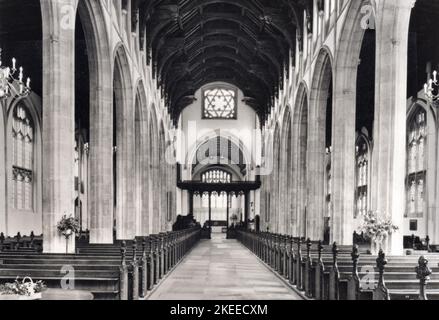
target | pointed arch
[
  {"x": 320, "y": 131},
  {"x": 28, "y": 217},
  {"x": 343, "y": 125},
  {"x": 100, "y": 61}
]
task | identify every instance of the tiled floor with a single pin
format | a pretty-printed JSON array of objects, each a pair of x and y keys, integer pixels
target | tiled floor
[{"x": 220, "y": 269}]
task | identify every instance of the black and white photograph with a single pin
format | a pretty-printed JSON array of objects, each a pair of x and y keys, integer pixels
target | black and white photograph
[{"x": 209, "y": 158}]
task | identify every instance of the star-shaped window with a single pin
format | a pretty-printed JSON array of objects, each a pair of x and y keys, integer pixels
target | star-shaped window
[{"x": 219, "y": 103}]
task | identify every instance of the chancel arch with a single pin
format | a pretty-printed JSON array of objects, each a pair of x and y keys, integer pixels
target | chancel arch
[
  {"x": 219, "y": 170},
  {"x": 225, "y": 148}
]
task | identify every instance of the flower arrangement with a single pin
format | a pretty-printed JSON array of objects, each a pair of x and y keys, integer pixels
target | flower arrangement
[
  {"x": 68, "y": 225},
  {"x": 375, "y": 228},
  {"x": 26, "y": 287}
]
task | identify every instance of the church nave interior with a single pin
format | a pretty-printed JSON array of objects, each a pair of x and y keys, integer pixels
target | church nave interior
[{"x": 243, "y": 150}]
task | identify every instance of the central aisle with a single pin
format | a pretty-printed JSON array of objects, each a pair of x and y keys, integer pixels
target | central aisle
[{"x": 220, "y": 269}]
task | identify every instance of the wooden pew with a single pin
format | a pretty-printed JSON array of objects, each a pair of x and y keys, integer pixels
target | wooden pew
[
  {"x": 95, "y": 274},
  {"x": 338, "y": 272},
  {"x": 115, "y": 271},
  {"x": 29, "y": 243}
]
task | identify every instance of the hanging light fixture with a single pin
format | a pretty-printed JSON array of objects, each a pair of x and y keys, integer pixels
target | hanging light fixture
[
  {"x": 8, "y": 83},
  {"x": 431, "y": 90}
]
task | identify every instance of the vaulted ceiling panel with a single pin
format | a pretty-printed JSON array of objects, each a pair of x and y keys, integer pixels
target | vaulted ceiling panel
[{"x": 247, "y": 43}]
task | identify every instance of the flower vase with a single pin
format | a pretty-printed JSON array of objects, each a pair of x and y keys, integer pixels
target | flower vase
[{"x": 67, "y": 235}]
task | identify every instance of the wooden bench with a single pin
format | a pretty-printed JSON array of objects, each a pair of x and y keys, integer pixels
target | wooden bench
[
  {"x": 338, "y": 272},
  {"x": 110, "y": 271},
  {"x": 24, "y": 243}
]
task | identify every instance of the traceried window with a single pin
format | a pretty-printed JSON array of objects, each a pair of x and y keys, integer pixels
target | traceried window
[
  {"x": 362, "y": 174},
  {"x": 205, "y": 200},
  {"x": 219, "y": 103},
  {"x": 416, "y": 164},
  {"x": 216, "y": 176},
  {"x": 22, "y": 159}
]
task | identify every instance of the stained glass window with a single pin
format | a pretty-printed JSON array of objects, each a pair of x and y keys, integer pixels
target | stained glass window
[
  {"x": 205, "y": 200},
  {"x": 22, "y": 159},
  {"x": 416, "y": 164},
  {"x": 219, "y": 103},
  {"x": 216, "y": 176}
]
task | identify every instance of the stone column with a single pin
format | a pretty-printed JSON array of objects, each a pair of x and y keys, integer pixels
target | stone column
[
  {"x": 126, "y": 215},
  {"x": 280, "y": 199},
  {"x": 151, "y": 182},
  {"x": 101, "y": 151},
  {"x": 124, "y": 106},
  {"x": 145, "y": 181},
  {"x": 316, "y": 168},
  {"x": 389, "y": 154},
  {"x": 58, "y": 119}
]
